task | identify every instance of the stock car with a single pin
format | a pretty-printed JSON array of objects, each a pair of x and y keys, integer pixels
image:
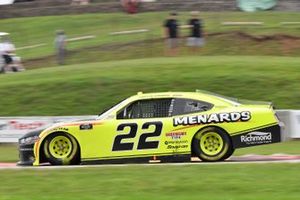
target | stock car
[{"x": 168, "y": 126}]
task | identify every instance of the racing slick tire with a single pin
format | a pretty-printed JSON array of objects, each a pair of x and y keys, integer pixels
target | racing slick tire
[
  {"x": 61, "y": 149},
  {"x": 212, "y": 144},
  {"x": 229, "y": 153}
]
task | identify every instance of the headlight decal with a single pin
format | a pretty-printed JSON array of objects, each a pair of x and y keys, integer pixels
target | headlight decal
[{"x": 29, "y": 140}]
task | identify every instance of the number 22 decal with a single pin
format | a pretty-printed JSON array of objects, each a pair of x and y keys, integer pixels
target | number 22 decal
[{"x": 143, "y": 144}]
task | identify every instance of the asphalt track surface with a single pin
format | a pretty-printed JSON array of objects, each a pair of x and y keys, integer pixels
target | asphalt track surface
[{"x": 246, "y": 159}]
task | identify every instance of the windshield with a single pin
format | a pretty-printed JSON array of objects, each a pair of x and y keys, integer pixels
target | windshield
[{"x": 106, "y": 113}]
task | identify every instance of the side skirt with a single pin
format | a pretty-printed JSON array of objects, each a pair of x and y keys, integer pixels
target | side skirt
[{"x": 148, "y": 159}]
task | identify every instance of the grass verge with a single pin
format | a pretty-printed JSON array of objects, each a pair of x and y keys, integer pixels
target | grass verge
[
  {"x": 89, "y": 88},
  {"x": 219, "y": 182},
  {"x": 216, "y": 44}
]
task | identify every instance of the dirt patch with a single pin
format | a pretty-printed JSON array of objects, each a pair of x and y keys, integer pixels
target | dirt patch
[
  {"x": 258, "y": 38},
  {"x": 288, "y": 43}
]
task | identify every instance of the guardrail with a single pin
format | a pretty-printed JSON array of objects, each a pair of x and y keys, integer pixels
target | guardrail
[
  {"x": 12, "y": 128},
  {"x": 291, "y": 121}
]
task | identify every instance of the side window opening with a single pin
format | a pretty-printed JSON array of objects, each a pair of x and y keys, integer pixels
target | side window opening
[
  {"x": 185, "y": 106},
  {"x": 150, "y": 108}
]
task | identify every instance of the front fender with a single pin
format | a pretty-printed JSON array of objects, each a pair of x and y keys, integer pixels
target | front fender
[{"x": 43, "y": 135}]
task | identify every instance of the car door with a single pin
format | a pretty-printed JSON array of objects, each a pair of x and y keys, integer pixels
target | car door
[{"x": 141, "y": 126}]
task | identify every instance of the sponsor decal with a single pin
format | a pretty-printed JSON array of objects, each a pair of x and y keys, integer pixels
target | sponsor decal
[
  {"x": 176, "y": 142},
  {"x": 86, "y": 126},
  {"x": 60, "y": 129},
  {"x": 176, "y": 135},
  {"x": 257, "y": 138},
  {"x": 266, "y": 135},
  {"x": 213, "y": 118},
  {"x": 179, "y": 144}
]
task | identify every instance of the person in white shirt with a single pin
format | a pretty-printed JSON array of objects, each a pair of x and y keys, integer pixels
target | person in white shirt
[
  {"x": 1, "y": 58},
  {"x": 6, "y": 49},
  {"x": 10, "y": 61}
]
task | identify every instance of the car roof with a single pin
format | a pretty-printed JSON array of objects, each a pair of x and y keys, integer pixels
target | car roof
[
  {"x": 178, "y": 94},
  {"x": 165, "y": 94}
]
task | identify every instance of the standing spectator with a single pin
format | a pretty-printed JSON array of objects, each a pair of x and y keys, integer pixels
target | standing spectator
[
  {"x": 60, "y": 46},
  {"x": 195, "y": 41},
  {"x": 171, "y": 34}
]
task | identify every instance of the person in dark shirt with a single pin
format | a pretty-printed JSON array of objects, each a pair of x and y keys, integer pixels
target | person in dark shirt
[
  {"x": 171, "y": 34},
  {"x": 195, "y": 39}
]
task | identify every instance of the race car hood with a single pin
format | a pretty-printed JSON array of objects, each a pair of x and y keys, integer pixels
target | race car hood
[
  {"x": 73, "y": 123},
  {"x": 57, "y": 125},
  {"x": 31, "y": 134}
]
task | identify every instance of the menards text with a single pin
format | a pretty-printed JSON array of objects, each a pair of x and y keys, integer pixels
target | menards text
[{"x": 213, "y": 118}]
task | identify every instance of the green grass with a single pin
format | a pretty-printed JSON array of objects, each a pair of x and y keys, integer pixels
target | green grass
[
  {"x": 87, "y": 89},
  {"x": 218, "y": 182},
  {"x": 9, "y": 153},
  {"x": 289, "y": 147},
  {"x": 36, "y": 30},
  {"x": 223, "y": 44}
]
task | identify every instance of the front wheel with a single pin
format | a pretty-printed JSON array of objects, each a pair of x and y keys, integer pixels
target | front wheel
[
  {"x": 61, "y": 149},
  {"x": 212, "y": 144}
]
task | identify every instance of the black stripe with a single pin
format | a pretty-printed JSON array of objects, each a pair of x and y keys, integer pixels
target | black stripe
[
  {"x": 252, "y": 129},
  {"x": 136, "y": 156},
  {"x": 160, "y": 159}
]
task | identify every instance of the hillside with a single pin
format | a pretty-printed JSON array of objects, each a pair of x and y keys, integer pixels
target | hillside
[
  {"x": 41, "y": 30},
  {"x": 90, "y": 88}
]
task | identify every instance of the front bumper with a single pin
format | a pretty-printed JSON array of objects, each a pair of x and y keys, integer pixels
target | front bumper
[
  {"x": 26, "y": 148},
  {"x": 26, "y": 155}
]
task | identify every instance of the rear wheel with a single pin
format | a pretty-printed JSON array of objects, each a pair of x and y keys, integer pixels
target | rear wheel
[
  {"x": 228, "y": 154},
  {"x": 61, "y": 149},
  {"x": 212, "y": 144}
]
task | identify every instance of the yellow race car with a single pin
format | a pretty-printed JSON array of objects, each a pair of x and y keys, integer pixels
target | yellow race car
[{"x": 170, "y": 126}]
